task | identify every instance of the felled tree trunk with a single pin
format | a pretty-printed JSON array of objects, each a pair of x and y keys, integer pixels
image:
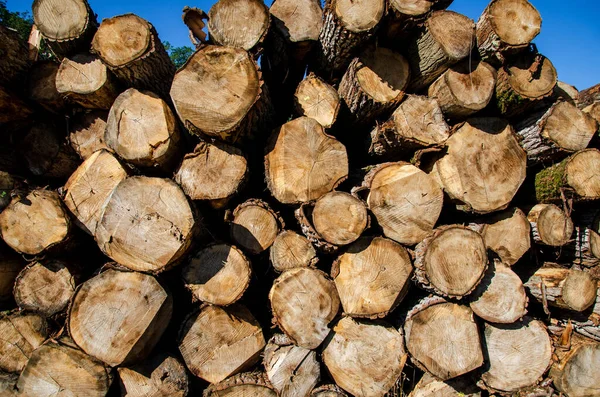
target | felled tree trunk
[
  {"x": 238, "y": 23},
  {"x": 594, "y": 111},
  {"x": 577, "y": 368},
  {"x": 404, "y": 15},
  {"x": 118, "y": 317},
  {"x": 291, "y": 250},
  {"x": 254, "y": 226},
  {"x": 86, "y": 81},
  {"x": 86, "y": 132},
  {"x": 42, "y": 87},
  {"x": 246, "y": 384},
  {"x": 372, "y": 277},
  {"x": 21, "y": 335},
  {"x": 330, "y": 390},
  {"x": 430, "y": 386},
  {"x": 340, "y": 218},
  {"x": 550, "y": 225},
  {"x": 13, "y": 108},
  {"x": 303, "y": 215},
  {"x": 130, "y": 47},
  {"x": 161, "y": 375},
  {"x": 14, "y": 63},
  {"x": 316, "y": 99},
  {"x": 588, "y": 96}
]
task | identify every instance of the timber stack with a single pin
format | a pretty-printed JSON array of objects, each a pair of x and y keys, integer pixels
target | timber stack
[{"x": 370, "y": 198}]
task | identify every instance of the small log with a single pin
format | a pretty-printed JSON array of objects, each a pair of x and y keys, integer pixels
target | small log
[
  {"x": 500, "y": 297},
  {"x": 594, "y": 111},
  {"x": 15, "y": 63},
  {"x": 484, "y": 165},
  {"x": 566, "y": 92},
  {"x": 328, "y": 391},
  {"x": 35, "y": 223},
  {"x": 86, "y": 132},
  {"x": 42, "y": 87},
  {"x": 586, "y": 324},
  {"x": 506, "y": 27},
  {"x": 238, "y": 23},
  {"x": 555, "y": 133},
  {"x": 354, "y": 348},
  {"x": 405, "y": 201},
  {"x": 372, "y": 277},
  {"x": 573, "y": 178},
  {"x": 576, "y": 370},
  {"x": 340, "y": 218},
  {"x": 517, "y": 355},
  {"x": 291, "y": 250},
  {"x": 303, "y": 215},
  {"x": 442, "y": 338},
  {"x": 430, "y": 386},
  {"x": 563, "y": 287},
  {"x": 219, "y": 93},
  {"x": 67, "y": 27},
  {"x": 59, "y": 368},
  {"x": 246, "y": 384},
  {"x": 86, "y": 81},
  {"x": 445, "y": 38},
  {"x": 21, "y": 335},
  {"x": 451, "y": 262},
  {"x": 347, "y": 26},
  {"x": 89, "y": 188},
  {"x": 213, "y": 172},
  {"x": 219, "y": 342},
  {"x": 293, "y": 371},
  {"x": 11, "y": 265},
  {"x": 374, "y": 84},
  {"x": 218, "y": 274},
  {"x": 147, "y": 224},
  {"x": 130, "y": 47},
  {"x": 550, "y": 225},
  {"x": 304, "y": 302},
  {"x": 302, "y": 163},
  {"x": 254, "y": 226},
  {"x": 464, "y": 89},
  {"x": 161, "y": 375},
  {"x": 416, "y": 124},
  {"x": 194, "y": 19},
  {"x": 507, "y": 233},
  {"x": 45, "y": 287},
  {"x": 118, "y": 317},
  {"x": 316, "y": 99}
]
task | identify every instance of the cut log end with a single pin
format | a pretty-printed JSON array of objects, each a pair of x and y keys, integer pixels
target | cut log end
[
  {"x": 21, "y": 334},
  {"x": 550, "y": 225},
  {"x": 291, "y": 250},
  {"x": 162, "y": 375},
  {"x": 122, "y": 39},
  {"x": 300, "y": 21},
  {"x": 255, "y": 226},
  {"x": 318, "y": 100},
  {"x": 578, "y": 372},
  {"x": 359, "y": 16},
  {"x": 87, "y": 133},
  {"x": 508, "y": 234},
  {"x": 339, "y": 218},
  {"x": 250, "y": 17}
]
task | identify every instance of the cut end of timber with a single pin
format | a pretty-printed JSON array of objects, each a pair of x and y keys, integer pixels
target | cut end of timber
[
  {"x": 238, "y": 23},
  {"x": 384, "y": 74},
  {"x": 516, "y": 22},
  {"x": 298, "y": 20},
  {"x": 122, "y": 39},
  {"x": 339, "y": 218},
  {"x": 291, "y": 250},
  {"x": 318, "y": 100},
  {"x": 61, "y": 20},
  {"x": 454, "y": 33},
  {"x": 359, "y": 15},
  {"x": 582, "y": 173}
]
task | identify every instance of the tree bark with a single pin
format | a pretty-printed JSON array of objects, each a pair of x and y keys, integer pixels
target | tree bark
[
  {"x": 316, "y": 99},
  {"x": 86, "y": 132},
  {"x": 303, "y": 215},
  {"x": 42, "y": 87},
  {"x": 13, "y": 109},
  {"x": 550, "y": 225},
  {"x": 588, "y": 96},
  {"x": 372, "y": 277},
  {"x": 246, "y": 384},
  {"x": 430, "y": 386},
  {"x": 291, "y": 250},
  {"x": 161, "y": 375},
  {"x": 21, "y": 335},
  {"x": 254, "y": 226},
  {"x": 577, "y": 368},
  {"x": 11, "y": 265},
  {"x": 331, "y": 390},
  {"x": 584, "y": 249},
  {"x": 15, "y": 62},
  {"x": 404, "y": 15},
  {"x": 130, "y": 47}
]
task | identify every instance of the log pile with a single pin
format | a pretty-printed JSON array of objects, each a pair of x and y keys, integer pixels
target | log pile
[{"x": 372, "y": 198}]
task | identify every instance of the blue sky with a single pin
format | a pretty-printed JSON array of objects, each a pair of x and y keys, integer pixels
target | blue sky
[{"x": 570, "y": 34}]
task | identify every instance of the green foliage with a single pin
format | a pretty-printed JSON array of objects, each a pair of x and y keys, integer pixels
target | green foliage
[
  {"x": 178, "y": 54},
  {"x": 20, "y": 21}
]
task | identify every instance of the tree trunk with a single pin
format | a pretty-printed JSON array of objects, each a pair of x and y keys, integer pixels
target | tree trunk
[
  {"x": 14, "y": 63},
  {"x": 517, "y": 355},
  {"x": 13, "y": 108},
  {"x": 21, "y": 335},
  {"x": 130, "y": 47},
  {"x": 404, "y": 15},
  {"x": 238, "y": 23},
  {"x": 506, "y": 27},
  {"x": 213, "y": 172},
  {"x": 67, "y": 27},
  {"x": 316, "y": 99},
  {"x": 142, "y": 130},
  {"x": 86, "y": 132},
  {"x": 405, "y": 201},
  {"x": 507, "y": 233},
  {"x": 302, "y": 163},
  {"x": 562, "y": 287},
  {"x": 584, "y": 249},
  {"x": 42, "y": 87},
  {"x": 445, "y": 38},
  {"x": 464, "y": 89},
  {"x": 574, "y": 178},
  {"x": 246, "y": 384},
  {"x": 374, "y": 84},
  {"x": 416, "y": 124},
  {"x": 118, "y": 317},
  {"x": 430, "y": 386},
  {"x": 347, "y": 26},
  {"x": 550, "y": 225},
  {"x": 353, "y": 350},
  {"x": 293, "y": 371},
  {"x": 45, "y": 287},
  {"x": 291, "y": 250},
  {"x": 89, "y": 188},
  {"x": 60, "y": 369},
  {"x": 577, "y": 368},
  {"x": 442, "y": 338},
  {"x": 311, "y": 293},
  {"x": 147, "y": 224},
  {"x": 303, "y": 215},
  {"x": 372, "y": 277},
  {"x": 588, "y": 96},
  {"x": 500, "y": 297},
  {"x": 219, "y": 93},
  {"x": 161, "y": 375},
  {"x": 254, "y": 226},
  {"x": 35, "y": 223},
  {"x": 86, "y": 81},
  {"x": 552, "y": 134},
  {"x": 483, "y": 167},
  {"x": 451, "y": 262},
  {"x": 328, "y": 391},
  {"x": 219, "y": 342},
  {"x": 218, "y": 274},
  {"x": 11, "y": 265}
]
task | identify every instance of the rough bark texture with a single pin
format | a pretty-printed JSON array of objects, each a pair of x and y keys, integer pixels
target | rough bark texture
[
  {"x": 246, "y": 384},
  {"x": 588, "y": 96},
  {"x": 577, "y": 368},
  {"x": 14, "y": 62},
  {"x": 42, "y": 87},
  {"x": 161, "y": 375},
  {"x": 430, "y": 386},
  {"x": 303, "y": 215},
  {"x": 12, "y": 108},
  {"x": 328, "y": 391},
  {"x": 584, "y": 249}
]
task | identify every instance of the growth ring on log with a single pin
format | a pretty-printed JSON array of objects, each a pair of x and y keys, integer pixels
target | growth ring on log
[
  {"x": 21, "y": 334},
  {"x": 238, "y": 23},
  {"x": 291, "y": 250},
  {"x": 339, "y": 218},
  {"x": 359, "y": 16},
  {"x": 582, "y": 173},
  {"x": 61, "y": 20},
  {"x": 121, "y": 40},
  {"x": 514, "y": 22}
]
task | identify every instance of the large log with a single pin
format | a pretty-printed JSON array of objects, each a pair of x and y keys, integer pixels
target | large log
[
  {"x": 291, "y": 250},
  {"x": 42, "y": 87},
  {"x": 254, "y": 226},
  {"x": 118, "y": 316},
  {"x": 550, "y": 225},
  {"x": 161, "y": 375},
  {"x": 238, "y": 23},
  {"x": 21, "y": 335},
  {"x": 576, "y": 370},
  {"x": 372, "y": 277},
  {"x": 316, "y": 99},
  {"x": 404, "y": 15},
  {"x": 130, "y": 47},
  {"x": 86, "y": 132},
  {"x": 247, "y": 384},
  {"x": 67, "y": 26}
]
